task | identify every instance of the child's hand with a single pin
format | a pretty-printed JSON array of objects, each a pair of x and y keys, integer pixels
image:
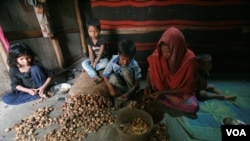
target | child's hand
[
  {"x": 124, "y": 97},
  {"x": 32, "y": 91},
  {"x": 94, "y": 64},
  {"x": 40, "y": 90},
  {"x": 112, "y": 92}
]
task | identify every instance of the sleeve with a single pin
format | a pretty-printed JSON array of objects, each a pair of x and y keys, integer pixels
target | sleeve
[
  {"x": 108, "y": 69},
  {"x": 137, "y": 71},
  {"x": 13, "y": 78},
  {"x": 101, "y": 41}
]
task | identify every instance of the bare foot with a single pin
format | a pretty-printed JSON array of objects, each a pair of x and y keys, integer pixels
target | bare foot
[
  {"x": 43, "y": 95},
  {"x": 232, "y": 98}
]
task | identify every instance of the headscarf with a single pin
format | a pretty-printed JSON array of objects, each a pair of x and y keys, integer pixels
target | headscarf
[{"x": 178, "y": 71}]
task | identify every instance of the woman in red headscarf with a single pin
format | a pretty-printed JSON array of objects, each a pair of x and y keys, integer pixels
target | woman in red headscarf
[{"x": 171, "y": 73}]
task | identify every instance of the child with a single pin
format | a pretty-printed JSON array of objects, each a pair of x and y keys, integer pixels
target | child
[
  {"x": 123, "y": 72},
  {"x": 204, "y": 64},
  {"x": 29, "y": 78},
  {"x": 98, "y": 55}
]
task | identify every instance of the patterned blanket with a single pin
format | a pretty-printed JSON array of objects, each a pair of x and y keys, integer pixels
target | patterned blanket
[{"x": 211, "y": 112}]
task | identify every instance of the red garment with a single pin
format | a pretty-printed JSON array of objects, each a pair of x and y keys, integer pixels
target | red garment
[
  {"x": 178, "y": 71},
  {"x": 3, "y": 40}
]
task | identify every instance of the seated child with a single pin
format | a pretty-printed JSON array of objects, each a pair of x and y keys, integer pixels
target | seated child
[
  {"x": 204, "y": 65},
  {"x": 123, "y": 73},
  {"x": 98, "y": 54},
  {"x": 29, "y": 78}
]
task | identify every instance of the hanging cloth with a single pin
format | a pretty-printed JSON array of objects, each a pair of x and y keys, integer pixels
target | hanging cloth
[{"x": 3, "y": 40}]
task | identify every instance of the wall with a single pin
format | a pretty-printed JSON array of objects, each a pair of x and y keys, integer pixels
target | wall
[
  {"x": 220, "y": 28},
  {"x": 4, "y": 77},
  {"x": 20, "y": 24},
  {"x": 67, "y": 45}
]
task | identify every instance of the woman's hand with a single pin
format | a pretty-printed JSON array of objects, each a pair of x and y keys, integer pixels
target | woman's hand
[
  {"x": 147, "y": 91},
  {"x": 154, "y": 95}
]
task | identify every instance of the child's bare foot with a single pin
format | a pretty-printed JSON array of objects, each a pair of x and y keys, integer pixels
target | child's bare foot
[
  {"x": 97, "y": 79},
  {"x": 43, "y": 95},
  {"x": 232, "y": 98}
]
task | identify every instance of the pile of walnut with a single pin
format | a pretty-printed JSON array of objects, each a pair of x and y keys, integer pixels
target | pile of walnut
[
  {"x": 81, "y": 114},
  {"x": 159, "y": 133},
  {"x": 39, "y": 119}
]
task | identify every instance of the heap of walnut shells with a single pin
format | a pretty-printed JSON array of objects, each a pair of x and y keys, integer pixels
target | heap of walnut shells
[{"x": 81, "y": 114}]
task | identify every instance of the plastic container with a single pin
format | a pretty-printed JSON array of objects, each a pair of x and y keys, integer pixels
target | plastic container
[{"x": 128, "y": 115}]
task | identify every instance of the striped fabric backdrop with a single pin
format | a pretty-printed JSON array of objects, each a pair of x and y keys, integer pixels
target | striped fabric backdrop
[{"x": 218, "y": 27}]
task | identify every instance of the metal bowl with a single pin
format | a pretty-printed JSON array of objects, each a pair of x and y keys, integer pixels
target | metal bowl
[
  {"x": 62, "y": 88},
  {"x": 231, "y": 121}
]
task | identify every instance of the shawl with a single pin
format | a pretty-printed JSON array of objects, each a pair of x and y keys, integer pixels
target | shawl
[{"x": 176, "y": 72}]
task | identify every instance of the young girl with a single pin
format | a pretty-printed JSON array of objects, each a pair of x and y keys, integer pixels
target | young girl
[
  {"x": 98, "y": 55},
  {"x": 29, "y": 78}
]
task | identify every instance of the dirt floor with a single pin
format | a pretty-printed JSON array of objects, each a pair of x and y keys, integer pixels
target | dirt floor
[{"x": 12, "y": 117}]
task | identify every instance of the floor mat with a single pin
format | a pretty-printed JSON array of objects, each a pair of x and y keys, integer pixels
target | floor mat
[{"x": 211, "y": 112}]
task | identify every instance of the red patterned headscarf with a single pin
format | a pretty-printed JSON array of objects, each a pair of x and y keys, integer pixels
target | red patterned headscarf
[{"x": 178, "y": 71}]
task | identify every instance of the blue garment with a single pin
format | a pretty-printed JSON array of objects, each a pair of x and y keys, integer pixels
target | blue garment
[
  {"x": 114, "y": 67},
  {"x": 124, "y": 80},
  {"x": 36, "y": 77},
  {"x": 122, "y": 77},
  {"x": 93, "y": 71}
]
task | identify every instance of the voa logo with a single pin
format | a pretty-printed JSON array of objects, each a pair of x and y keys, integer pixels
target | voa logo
[{"x": 236, "y": 132}]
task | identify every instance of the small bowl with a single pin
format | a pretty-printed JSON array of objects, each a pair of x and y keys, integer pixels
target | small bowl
[
  {"x": 231, "y": 121},
  {"x": 62, "y": 88}
]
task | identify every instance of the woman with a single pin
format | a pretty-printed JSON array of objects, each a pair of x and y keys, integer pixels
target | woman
[{"x": 171, "y": 73}]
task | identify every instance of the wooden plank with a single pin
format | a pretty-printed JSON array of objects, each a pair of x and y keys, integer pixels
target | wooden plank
[
  {"x": 58, "y": 52},
  {"x": 43, "y": 21},
  {"x": 18, "y": 35},
  {"x": 80, "y": 25}
]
